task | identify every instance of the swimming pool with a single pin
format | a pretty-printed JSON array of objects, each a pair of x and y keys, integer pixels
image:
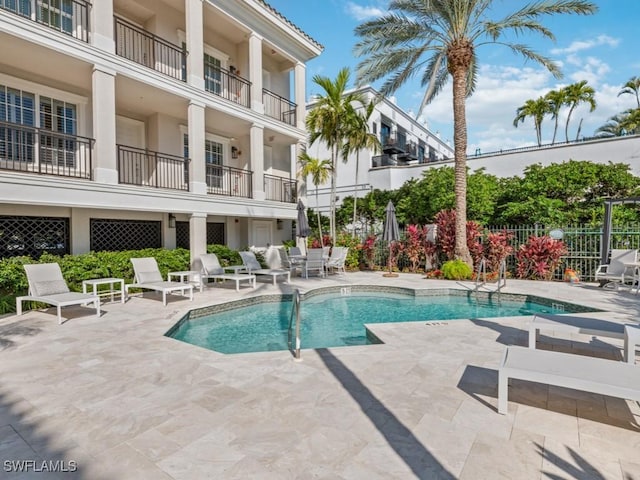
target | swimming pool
[{"x": 336, "y": 317}]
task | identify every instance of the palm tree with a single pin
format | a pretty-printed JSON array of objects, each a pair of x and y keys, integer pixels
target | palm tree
[
  {"x": 575, "y": 94},
  {"x": 631, "y": 121},
  {"x": 536, "y": 109},
  {"x": 437, "y": 38},
  {"x": 613, "y": 128},
  {"x": 632, "y": 87},
  {"x": 555, "y": 101},
  {"x": 359, "y": 138},
  {"x": 320, "y": 172},
  {"x": 328, "y": 121}
]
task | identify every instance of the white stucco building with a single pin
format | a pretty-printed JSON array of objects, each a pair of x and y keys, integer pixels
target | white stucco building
[
  {"x": 405, "y": 141},
  {"x": 148, "y": 123}
]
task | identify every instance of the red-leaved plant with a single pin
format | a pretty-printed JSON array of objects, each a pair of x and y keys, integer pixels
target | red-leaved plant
[
  {"x": 368, "y": 250},
  {"x": 446, "y": 240},
  {"x": 497, "y": 248},
  {"x": 414, "y": 246},
  {"x": 540, "y": 257}
]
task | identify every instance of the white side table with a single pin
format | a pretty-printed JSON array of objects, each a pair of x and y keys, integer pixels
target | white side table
[
  {"x": 184, "y": 276},
  {"x": 631, "y": 341},
  {"x": 94, "y": 282},
  {"x": 235, "y": 268}
]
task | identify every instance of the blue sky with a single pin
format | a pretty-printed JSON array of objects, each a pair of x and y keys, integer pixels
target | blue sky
[{"x": 600, "y": 48}]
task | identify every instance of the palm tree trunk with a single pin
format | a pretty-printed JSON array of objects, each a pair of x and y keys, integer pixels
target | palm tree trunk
[
  {"x": 332, "y": 203},
  {"x": 566, "y": 127},
  {"x": 555, "y": 130},
  {"x": 355, "y": 196},
  {"x": 539, "y": 133},
  {"x": 319, "y": 220},
  {"x": 461, "y": 251}
]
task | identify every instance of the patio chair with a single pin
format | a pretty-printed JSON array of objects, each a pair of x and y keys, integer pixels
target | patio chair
[
  {"x": 620, "y": 269},
  {"x": 579, "y": 372},
  {"x": 253, "y": 267},
  {"x": 211, "y": 269},
  {"x": 47, "y": 285},
  {"x": 290, "y": 263},
  {"x": 337, "y": 259},
  {"x": 148, "y": 277},
  {"x": 315, "y": 261}
]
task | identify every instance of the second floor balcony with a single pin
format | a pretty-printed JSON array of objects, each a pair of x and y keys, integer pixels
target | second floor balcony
[
  {"x": 230, "y": 181},
  {"x": 37, "y": 150},
  {"x": 139, "y": 166},
  {"x": 280, "y": 189}
]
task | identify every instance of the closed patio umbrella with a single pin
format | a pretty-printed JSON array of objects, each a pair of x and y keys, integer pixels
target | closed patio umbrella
[
  {"x": 391, "y": 232},
  {"x": 302, "y": 224}
]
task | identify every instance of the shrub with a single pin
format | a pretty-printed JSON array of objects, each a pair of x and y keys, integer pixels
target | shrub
[
  {"x": 456, "y": 270},
  {"x": 368, "y": 249},
  {"x": 225, "y": 255},
  {"x": 352, "y": 261},
  {"x": 539, "y": 257},
  {"x": 446, "y": 240},
  {"x": 497, "y": 248}
]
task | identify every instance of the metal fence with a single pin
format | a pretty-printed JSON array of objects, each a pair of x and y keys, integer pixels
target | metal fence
[{"x": 582, "y": 241}]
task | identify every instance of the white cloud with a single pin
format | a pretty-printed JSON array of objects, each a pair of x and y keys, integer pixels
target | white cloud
[
  {"x": 593, "y": 71},
  {"x": 579, "y": 45},
  {"x": 361, "y": 13}
]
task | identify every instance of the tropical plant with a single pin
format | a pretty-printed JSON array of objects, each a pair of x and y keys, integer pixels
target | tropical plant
[
  {"x": 539, "y": 258},
  {"x": 555, "y": 102},
  {"x": 446, "y": 238},
  {"x": 574, "y": 95},
  {"x": 319, "y": 171},
  {"x": 437, "y": 38},
  {"x": 632, "y": 87},
  {"x": 456, "y": 270},
  {"x": 615, "y": 127},
  {"x": 328, "y": 121},
  {"x": 535, "y": 109},
  {"x": 359, "y": 138},
  {"x": 497, "y": 248}
]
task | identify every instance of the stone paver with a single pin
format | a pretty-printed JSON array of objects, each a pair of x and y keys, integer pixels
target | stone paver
[{"x": 125, "y": 402}]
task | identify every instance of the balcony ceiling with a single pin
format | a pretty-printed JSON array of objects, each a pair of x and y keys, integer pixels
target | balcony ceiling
[
  {"x": 42, "y": 65},
  {"x": 143, "y": 10},
  {"x": 141, "y": 100}
]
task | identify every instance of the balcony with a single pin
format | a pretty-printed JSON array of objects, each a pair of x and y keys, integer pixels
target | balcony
[
  {"x": 145, "y": 48},
  {"x": 138, "y": 166},
  {"x": 70, "y": 17},
  {"x": 280, "y": 189},
  {"x": 279, "y": 107},
  {"x": 410, "y": 152},
  {"x": 392, "y": 145},
  {"x": 37, "y": 150},
  {"x": 226, "y": 84},
  {"x": 383, "y": 161},
  {"x": 230, "y": 181}
]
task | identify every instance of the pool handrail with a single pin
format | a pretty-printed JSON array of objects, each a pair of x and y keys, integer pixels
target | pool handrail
[{"x": 295, "y": 309}]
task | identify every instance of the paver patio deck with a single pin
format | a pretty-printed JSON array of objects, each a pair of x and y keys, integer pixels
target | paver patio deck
[{"x": 124, "y": 402}]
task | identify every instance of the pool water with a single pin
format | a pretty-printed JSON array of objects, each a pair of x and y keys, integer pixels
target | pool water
[{"x": 332, "y": 320}]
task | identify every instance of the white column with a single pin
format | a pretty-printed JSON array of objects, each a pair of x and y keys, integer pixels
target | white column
[
  {"x": 197, "y": 237},
  {"x": 256, "y": 136},
  {"x": 168, "y": 233},
  {"x": 255, "y": 72},
  {"x": 196, "y": 129},
  {"x": 102, "y": 21},
  {"x": 195, "y": 42},
  {"x": 105, "y": 165},
  {"x": 300, "y": 93},
  {"x": 80, "y": 231}
]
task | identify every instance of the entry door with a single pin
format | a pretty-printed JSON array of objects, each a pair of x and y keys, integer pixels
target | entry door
[
  {"x": 262, "y": 234},
  {"x": 133, "y": 166}
]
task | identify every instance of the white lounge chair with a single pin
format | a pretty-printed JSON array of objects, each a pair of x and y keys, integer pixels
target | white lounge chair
[
  {"x": 253, "y": 267},
  {"x": 148, "y": 276},
  {"x": 620, "y": 269},
  {"x": 589, "y": 374},
  {"x": 582, "y": 325},
  {"x": 290, "y": 263},
  {"x": 211, "y": 269},
  {"x": 47, "y": 285}
]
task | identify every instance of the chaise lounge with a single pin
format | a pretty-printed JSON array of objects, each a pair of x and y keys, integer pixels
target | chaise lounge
[
  {"x": 252, "y": 266},
  {"x": 579, "y": 372},
  {"x": 211, "y": 269},
  {"x": 47, "y": 285},
  {"x": 148, "y": 277}
]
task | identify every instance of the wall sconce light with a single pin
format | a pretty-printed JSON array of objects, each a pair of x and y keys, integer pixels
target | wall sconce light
[
  {"x": 172, "y": 220},
  {"x": 278, "y": 224},
  {"x": 235, "y": 152}
]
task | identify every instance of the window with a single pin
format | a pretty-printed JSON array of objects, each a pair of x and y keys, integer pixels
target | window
[
  {"x": 17, "y": 107},
  {"x": 212, "y": 74},
  {"x": 385, "y": 133},
  {"x": 59, "y": 117},
  {"x": 56, "y": 13},
  {"x": 214, "y": 156},
  {"x": 21, "y": 7},
  {"x": 421, "y": 153}
]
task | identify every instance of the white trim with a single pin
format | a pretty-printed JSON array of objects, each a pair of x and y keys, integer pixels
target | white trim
[
  {"x": 39, "y": 89},
  {"x": 208, "y": 49}
]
